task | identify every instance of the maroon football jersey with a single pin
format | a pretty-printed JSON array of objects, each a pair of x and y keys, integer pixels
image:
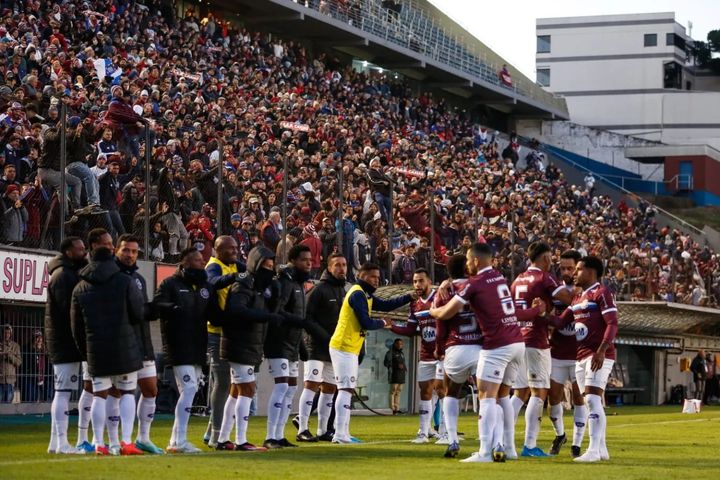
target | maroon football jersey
[
  {"x": 421, "y": 323},
  {"x": 489, "y": 296},
  {"x": 462, "y": 329},
  {"x": 595, "y": 316},
  {"x": 529, "y": 285},
  {"x": 563, "y": 345}
]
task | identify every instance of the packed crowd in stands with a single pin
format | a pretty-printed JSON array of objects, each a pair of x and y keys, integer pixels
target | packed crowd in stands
[{"x": 206, "y": 89}]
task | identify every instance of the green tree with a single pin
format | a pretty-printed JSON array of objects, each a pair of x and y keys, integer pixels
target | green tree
[{"x": 703, "y": 52}]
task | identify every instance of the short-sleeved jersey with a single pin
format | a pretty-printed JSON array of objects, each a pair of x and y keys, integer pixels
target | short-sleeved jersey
[
  {"x": 462, "y": 329},
  {"x": 489, "y": 296},
  {"x": 563, "y": 345},
  {"x": 421, "y": 323},
  {"x": 529, "y": 285},
  {"x": 596, "y": 321}
]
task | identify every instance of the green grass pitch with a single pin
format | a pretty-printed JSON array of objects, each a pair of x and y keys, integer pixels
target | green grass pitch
[{"x": 655, "y": 443}]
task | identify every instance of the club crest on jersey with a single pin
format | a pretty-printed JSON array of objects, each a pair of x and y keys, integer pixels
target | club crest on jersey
[
  {"x": 315, "y": 371},
  {"x": 283, "y": 366},
  {"x": 204, "y": 293},
  {"x": 186, "y": 378},
  {"x": 428, "y": 334},
  {"x": 74, "y": 378},
  {"x": 250, "y": 371},
  {"x": 581, "y": 331}
]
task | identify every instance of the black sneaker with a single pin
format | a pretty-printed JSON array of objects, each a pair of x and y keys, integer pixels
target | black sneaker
[
  {"x": 326, "y": 437},
  {"x": 559, "y": 441},
  {"x": 283, "y": 442},
  {"x": 575, "y": 450},
  {"x": 296, "y": 421},
  {"x": 306, "y": 436},
  {"x": 271, "y": 444},
  {"x": 452, "y": 450},
  {"x": 225, "y": 446}
]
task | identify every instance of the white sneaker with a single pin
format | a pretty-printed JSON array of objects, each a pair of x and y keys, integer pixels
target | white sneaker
[
  {"x": 342, "y": 440},
  {"x": 186, "y": 447},
  {"x": 477, "y": 458},
  {"x": 433, "y": 433},
  {"x": 590, "y": 456},
  {"x": 443, "y": 440},
  {"x": 67, "y": 449},
  {"x": 420, "y": 438},
  {"x": 511, "y": 453},
  {"x": 604, "y": 454},
  {"x": 114, "y": 450}
]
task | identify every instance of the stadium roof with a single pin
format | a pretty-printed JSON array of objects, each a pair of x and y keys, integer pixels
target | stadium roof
[{"x": 438, "y": 69}]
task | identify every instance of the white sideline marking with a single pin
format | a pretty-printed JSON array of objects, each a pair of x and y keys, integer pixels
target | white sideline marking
[{"x": 668, "y": 422}]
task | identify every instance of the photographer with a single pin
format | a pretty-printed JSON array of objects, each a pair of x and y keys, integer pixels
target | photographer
[{"x": 15, "y": 216}]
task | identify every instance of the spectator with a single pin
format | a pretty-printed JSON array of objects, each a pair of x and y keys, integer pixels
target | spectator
[
  {"x": 15, "y": 216},
  {"x": 36, "y": 372},
  {"x": 11, "y": 360}
]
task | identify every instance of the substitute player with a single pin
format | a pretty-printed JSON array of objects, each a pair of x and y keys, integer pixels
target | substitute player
[
  {"x": 457, "y": 344},
  {"x": 563, "y": 350},
  {"x": 430, "y": 369},
  {"x": 535, "y": 282},
  {"x": 64, "y": 354},
  {"x": 596, "y": 324},
  {"x": 347, "y": 340},
  {"x": 503, "y": 347}
]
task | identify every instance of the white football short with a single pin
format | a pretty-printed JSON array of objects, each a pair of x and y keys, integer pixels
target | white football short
[
  {"x": 345, "y": 365},
  {"x": 148, "y": 370},
  {"x": 429, "y": 370},
  {"x": 587, "y": 378},
  {"x": 461, "y": 362},
  {"x": 66, "y": 376},
  {"x": 125, "y": 383},
  {"x": 501, "y": 365},
  {"x": 186, "y": 376},
  {"x": 319, "y": 371},
  {"x": 562, "y": 371},
  {"x": 240, "y": 373},
  {"x": 282, "y": 367},
  {"x": 538, "y": 365}
]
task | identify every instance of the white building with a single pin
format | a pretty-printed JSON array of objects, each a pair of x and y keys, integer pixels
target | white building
[{"x": 629, "y": 74}]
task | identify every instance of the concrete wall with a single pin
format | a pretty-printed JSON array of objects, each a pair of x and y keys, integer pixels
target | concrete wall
[{"x": 600, "y": 145}]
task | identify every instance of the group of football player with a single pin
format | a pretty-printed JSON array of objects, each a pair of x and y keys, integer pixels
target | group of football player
[{"x": 533, "y": 336}]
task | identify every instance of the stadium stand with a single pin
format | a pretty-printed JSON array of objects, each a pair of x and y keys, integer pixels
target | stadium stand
[{"x": 203, "y": 89}]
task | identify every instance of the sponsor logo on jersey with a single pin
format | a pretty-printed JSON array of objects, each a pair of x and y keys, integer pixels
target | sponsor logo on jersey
[
  {"x": 138, "y": 283},
  {"x": 581, "y": 331}
]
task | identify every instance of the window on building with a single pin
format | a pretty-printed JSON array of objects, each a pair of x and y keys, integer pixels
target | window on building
[
  {"x": 651, "y": 39},
  {"x": 672, "y": 75},
  {"x": 675, "y": 39},
  {"x": 543, "y": 77},
  {"x": 543, "y": 44}
]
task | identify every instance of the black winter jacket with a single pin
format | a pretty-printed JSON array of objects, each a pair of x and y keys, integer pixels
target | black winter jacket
[
  {"x": 323, "y": 310},
  {"x": 142, "y": 329},
  {"x": 183, "y": 309},
  {"x": 247, "y": 313},
  {"x": 105, "y": 305},
  {"x": 283, "y": 339},
  {"x": 64, "y": 276}
]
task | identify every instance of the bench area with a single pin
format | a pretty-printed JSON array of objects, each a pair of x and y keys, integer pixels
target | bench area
[{"x": 620, "y": 379}]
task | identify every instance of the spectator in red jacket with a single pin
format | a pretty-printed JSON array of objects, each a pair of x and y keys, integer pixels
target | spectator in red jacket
[{"x": 312, "y": 240}]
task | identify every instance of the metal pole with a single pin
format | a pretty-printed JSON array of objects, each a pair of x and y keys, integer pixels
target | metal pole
[
  {"x": 62, "y": 193},
  {"x": 340, "y": 214},
  {"x": 146, "y": 226},
  {"x": 431, "y": 205},
  {"x": 512, "y": 247},
  {"x": 391, "y": 226},
  {"x": 284, "y": 209},
  {"x": 219, "y": 207}
]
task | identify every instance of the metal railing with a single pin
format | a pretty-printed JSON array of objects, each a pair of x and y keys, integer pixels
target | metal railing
[{"x": 414, "y": 28}]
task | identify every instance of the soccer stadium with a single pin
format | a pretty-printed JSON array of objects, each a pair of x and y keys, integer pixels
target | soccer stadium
[{"x": 321, "y": 238}]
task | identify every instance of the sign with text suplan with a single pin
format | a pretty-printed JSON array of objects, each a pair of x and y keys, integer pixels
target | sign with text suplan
[{"x": 23, "y": 276}]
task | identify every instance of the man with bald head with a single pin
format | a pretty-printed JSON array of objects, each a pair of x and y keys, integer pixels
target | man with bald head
[{"x": 222, "y": 270}]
